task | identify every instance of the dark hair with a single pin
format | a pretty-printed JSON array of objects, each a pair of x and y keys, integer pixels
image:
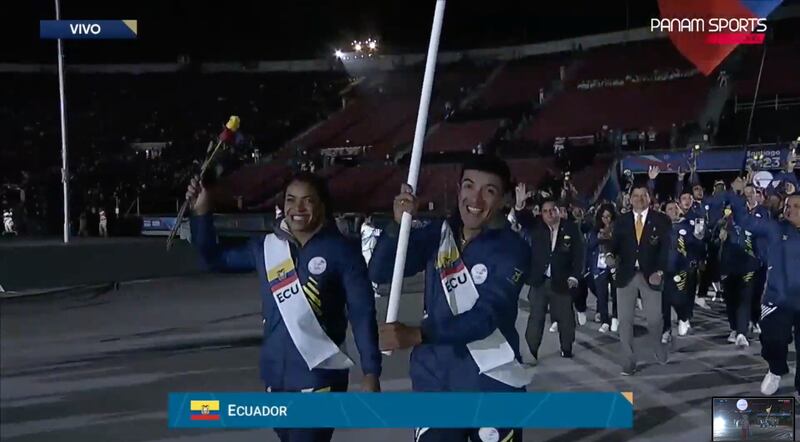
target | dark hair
[
  {"x": 549, "y": 199},
  {"x": 489, "y": 164},
  {"x": 643, "y": 186},
  {"x": 598, "y": 218},
  {"x": 320, "y": 186}
]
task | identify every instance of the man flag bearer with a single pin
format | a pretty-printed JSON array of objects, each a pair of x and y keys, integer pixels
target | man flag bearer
[
  {"x": 475, "y": 266},
  {"x": 312, "y": 281}
]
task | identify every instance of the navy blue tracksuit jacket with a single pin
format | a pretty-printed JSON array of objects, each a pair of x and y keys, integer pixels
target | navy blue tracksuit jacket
[
  {"x": 344, "y": 289},
  {"x": 783, "y": 256},
  {"x": 442, "y": 362}
]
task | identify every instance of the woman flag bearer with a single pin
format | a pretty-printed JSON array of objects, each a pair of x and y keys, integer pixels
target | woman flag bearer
[
  {"x": 313, "y": 281},
  {"x": 475, "y": 266}
]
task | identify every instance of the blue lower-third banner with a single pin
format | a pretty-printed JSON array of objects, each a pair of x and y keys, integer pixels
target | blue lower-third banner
[{"x": 401, "y": 410}]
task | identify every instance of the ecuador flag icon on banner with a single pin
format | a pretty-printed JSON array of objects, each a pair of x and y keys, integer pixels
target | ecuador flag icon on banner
[{"x": 204, "y": 410}]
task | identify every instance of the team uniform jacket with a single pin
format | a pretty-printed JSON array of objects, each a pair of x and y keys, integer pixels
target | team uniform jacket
[
  {"x": 677, "y": 261},
  {"x": 783, "y": 255},
  {"x": 762, "y": 244},
  {"x": 344, "y": 291},
  {"x": 442, "y": 361},
  {"x": 593, "y": 244}
]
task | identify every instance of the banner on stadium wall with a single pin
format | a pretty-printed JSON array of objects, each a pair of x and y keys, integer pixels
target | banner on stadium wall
[
  {"x": 762, "y": 158},
  {"x": 401, "y": 410},
  {"x": 157, "y": 225}
]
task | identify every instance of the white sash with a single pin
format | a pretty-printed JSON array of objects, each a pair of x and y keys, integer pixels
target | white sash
[
  {"x": 493, "y": 354},
  {"x": 311, "y": 341}
]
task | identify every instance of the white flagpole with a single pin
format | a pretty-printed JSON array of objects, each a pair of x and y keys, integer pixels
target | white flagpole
[
  {"x": 416, "y": 158},
  {"x": 62, "y": 103}
]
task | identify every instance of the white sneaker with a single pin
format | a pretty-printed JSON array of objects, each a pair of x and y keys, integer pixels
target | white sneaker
[
  {"x": 666, "y": 337},
  {"x": 770, "y": 384},
  {"x": 639, "y": 304},
  {"x": 741, "y": 341},
  {"x": 701, "y": 302},
  {"x": 683, "y": 328},
  {"x": 757, "y": 329},
  {"x": 581, "y": 318},
  {"x": 597, "y": 317},
  {"x": 614, "y": 325},
  {"x": 732, "y": 337},
  {"x": 603, "y": 328},
  {"x": 554, "y": 328}
]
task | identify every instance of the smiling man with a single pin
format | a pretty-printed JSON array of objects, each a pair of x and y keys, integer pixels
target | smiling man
[
  {"x": 312, "y": 281},
  {"x": 474, "y": 266}
]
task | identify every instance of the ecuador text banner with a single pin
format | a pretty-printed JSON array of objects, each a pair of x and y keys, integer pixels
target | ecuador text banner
[
  {"x": 401, "y": 410},
  {"x": 88, "y": 29}
]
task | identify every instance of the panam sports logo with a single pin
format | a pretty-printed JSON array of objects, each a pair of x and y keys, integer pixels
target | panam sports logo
[
  {"x": 204, "y": 410},
  {"x": 706, "y": 32},
  {"x": 720, "y": 30}
]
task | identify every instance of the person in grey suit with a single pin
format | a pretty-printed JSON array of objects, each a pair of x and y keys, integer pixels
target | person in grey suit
[{"x": 639, "y": 248}]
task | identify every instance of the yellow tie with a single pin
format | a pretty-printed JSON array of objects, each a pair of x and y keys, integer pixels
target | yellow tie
[{"x": 639, "y": 227}]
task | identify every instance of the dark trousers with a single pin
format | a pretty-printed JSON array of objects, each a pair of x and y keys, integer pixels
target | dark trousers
[
  {"x": 310, "y": 434},
  {"x": 471, "y": 435},
  {"x": 691, "y": 288},
  {"x": 710, "y": 272},
  {"x": 759, "y": 285},
  {"x": 560, "y": 311},
  {"x": 604, "y": 288},
  {"x": 776, "y": 334},
  {"x": 738, "y": 296},
  {"x": 678, "y": 296},
  {"x": 580, "y": 295}
]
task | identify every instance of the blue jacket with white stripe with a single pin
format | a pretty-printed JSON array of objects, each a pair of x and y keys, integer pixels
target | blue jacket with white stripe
[
  {"x": 783, "y": 257},
  {"x": 442, "y": 362},
  {"x": 344, "y": 292}
]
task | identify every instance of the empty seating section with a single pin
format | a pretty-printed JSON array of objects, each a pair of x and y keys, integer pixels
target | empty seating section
[
  {"x": 532, "y": 171},
  {"x": 770, "y": 125},
  {"x": 588, "y": 179},
  {"x": 383, "y": 112},
  {"x": 779, "y": 77},
  {"x": 350, "y": 189},
  {"x": 461, "y": 137},
  {"x": 584, "y": 112},
  {"x": 518, "y": 83},
  {"x": 610, "y": 62},
  {"x": 633, "y": 106},
  {"x": 256, "y": 184}
]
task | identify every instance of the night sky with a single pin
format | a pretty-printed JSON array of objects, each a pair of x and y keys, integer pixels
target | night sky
[{"x": 297, "y": 29}]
